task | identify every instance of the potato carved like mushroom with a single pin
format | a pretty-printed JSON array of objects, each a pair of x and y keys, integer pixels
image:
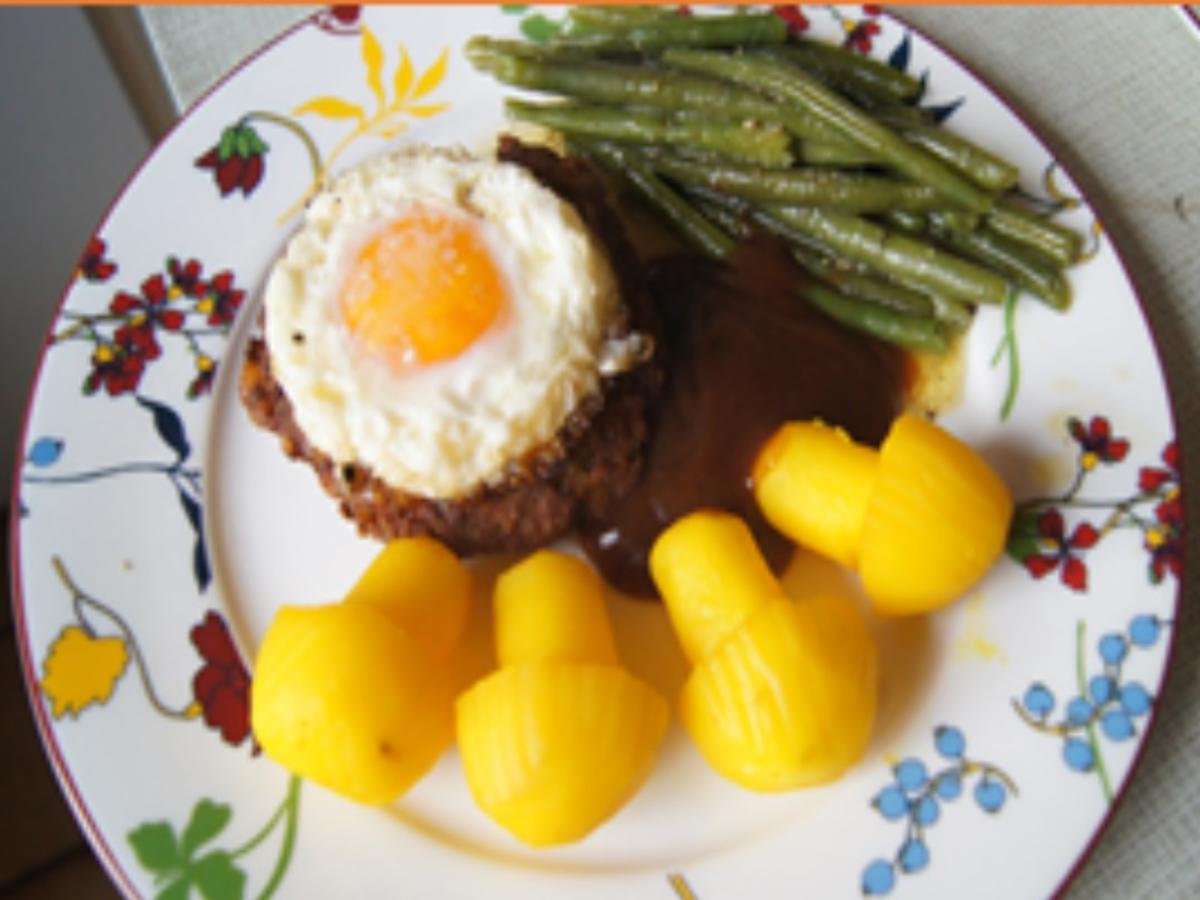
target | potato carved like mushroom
[
  {"x": 922, "y": 519},
  {"x": 782, "y": 693},
  {"x": 559, "y": 737}
]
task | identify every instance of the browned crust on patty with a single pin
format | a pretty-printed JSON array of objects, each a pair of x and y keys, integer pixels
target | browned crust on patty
[{"x": 594, "y": 459}]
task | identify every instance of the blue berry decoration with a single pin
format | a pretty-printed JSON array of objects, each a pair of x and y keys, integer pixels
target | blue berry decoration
[
  {"x": 1143, "y": 630},
  {"x": 1108, "y": 705},
  {"x": 1116, "y": 725},
  {"x": 1078, "y": 755},
  {"x": 1079, "y": 711},
  {"x": 892, "y": 803},
  {"x": 1113, "y": 649},
  {"x": 990, "y": 795},
  {"x": 1135, "y": 699},
  {"x": 925, "y": 811},
  {"x": 1101, "y": 689},
  {"x": 1039, "y": 701},
  {"x": 914, "y": 855},
  {"x": 911, "y": 775},
  {"x": 949, "y": 785},
  {"x": 878, "y": 878},
  {"x": 949, "y": 741},
  {"x": 918, "y": 794}
]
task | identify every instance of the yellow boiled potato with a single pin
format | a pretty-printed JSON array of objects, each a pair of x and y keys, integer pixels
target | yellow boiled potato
[
  {"x": 813, "y": 483},
  {"x": 425, "y": 589},
  {"x": 936, "y": 522},
  {"x": 786, "y": 698},
  {"x": 556, "y": 740},
  {"x": 789, "y": 700},
  {"x": 550, "y": 607},
  {"x": 551, "y": 750},
  {"x": 343, "y": 696},
  {"x": 711, "y": 575}
]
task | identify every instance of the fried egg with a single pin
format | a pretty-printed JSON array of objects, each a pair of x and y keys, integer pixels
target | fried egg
[{"x": 438, "y": 316}]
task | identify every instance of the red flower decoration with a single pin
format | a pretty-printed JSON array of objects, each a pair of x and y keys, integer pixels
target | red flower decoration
[
  {"x": 1097, "y": 442},
  {"x": 338, "y": 19},
  {"x": 150, "y": 308},
  {"x": 92, "y": 264},
  {"x": 115, "y": 369},
  {"x": 796, "y": 20},
  {"x": 118, "y": 365},
  {"x": 1151, "y": 479},
  {"x": 1164, "y": 540},
  {"x": 206, "y": 373},
  {"x": 236, "y": 160},
  {"x": 223, "y": 300},
  {"x": 1166, "y": 554},
  {"x": 1052, "y": 532},
  {"x": 185, "y": 277},
  {"x": 222, "y": 685},
  {"x": 201, "y": 384},
  {"x": 858, "y": 37}
]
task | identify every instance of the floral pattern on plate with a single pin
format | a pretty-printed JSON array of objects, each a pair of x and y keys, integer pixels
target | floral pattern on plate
[{"x": 114, "y": 585}]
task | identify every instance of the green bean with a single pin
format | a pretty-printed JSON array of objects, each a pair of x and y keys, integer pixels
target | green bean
[
  {"x": 1046, "y": 282},
  {"x": 909, "y": 222},
  {"x": 535, "y": 68},
  {"x": 1058, "y": 242},
  {"x": 658, "y": 33},
  {"x": 747, "y": 141},
  {"x": 875, "y": 307},
  {"x": 877, "y": 291},
  {"x": 788, "y": 82},
  {"x": 736, "y": 216},
  {"x": 984, "y": 168},
  {"x": 803, "y": 187},
  {"x": 762, "y": 216},
  {"x": 895, "y": 327},
  {"x": 618, "y": 16},
  {"x": 916, "y": 223},
  {"x": 729, "y": 221},
  {"x": 838, "y": 65},
  {"x": 899, "y": 293},
  {"x": 694, "y": 227},
  {"x": 834, "y": 153},
  {"x": 907, "y": 260}
]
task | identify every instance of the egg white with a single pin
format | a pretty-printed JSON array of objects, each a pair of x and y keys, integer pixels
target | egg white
[{"x": 445, "y": 429}]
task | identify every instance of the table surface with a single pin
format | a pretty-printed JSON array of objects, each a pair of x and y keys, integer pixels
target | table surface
[{"x": 1115, "y": 94}]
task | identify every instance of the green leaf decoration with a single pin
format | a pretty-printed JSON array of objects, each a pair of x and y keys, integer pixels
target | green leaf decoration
[
  {"x": 257, "y": 144},
  {"x": 176, "y": 890},
  {"x": 217, "y": 878},
  {"x": 226, "y": 147},
  {"x": 207, "y": 821},
  {"x": 539, "y": 28},
  {"x": 156, "y": 847},
  {"x": 1023, "y": 536},
  {"x": 241, "y": 144}
]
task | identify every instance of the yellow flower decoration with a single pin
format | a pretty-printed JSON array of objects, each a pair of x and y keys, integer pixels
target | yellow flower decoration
[
  {"x": 82, "y": 669},
  {"x": 388, "y": 118}
]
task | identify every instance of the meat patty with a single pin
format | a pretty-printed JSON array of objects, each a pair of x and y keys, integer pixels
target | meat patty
[{"x": 594, "y": 459}]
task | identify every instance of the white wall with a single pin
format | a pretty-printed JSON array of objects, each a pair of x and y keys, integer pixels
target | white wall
[{"x": 69, "y": 139}]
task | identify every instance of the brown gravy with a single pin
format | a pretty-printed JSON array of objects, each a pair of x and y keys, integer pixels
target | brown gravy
[{"x": 743, "y": 356}]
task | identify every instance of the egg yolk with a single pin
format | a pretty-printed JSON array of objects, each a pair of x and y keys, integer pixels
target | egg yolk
[{"x": 422, "y": 290}]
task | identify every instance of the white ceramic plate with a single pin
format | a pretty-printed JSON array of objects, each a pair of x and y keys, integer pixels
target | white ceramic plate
[{"x": 157, "y": 530}]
